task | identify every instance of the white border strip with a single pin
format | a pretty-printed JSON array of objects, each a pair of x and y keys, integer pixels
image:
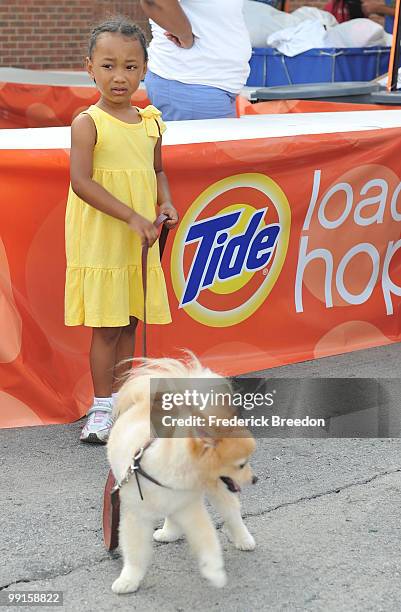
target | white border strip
[{"x": 249, "y": 127}]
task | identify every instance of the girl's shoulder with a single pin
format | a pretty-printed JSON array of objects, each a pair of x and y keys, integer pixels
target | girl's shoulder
[
  {"x": 155, "y": 125},
  {"x": 83, "y": 128},
  {"x": 94, "y": 112},
  {"x": 84, "y": 115},
  {"x": 89, "y": 119},
  {"x": 89, "y": 115},
  {"x": 149, "y": 111}
]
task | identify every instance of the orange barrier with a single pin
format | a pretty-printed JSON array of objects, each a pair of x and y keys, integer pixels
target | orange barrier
[
  {"x": 288, "y": 249},
  {"x": 24, "y": 105},
  {"x": 244, "y": 107}
]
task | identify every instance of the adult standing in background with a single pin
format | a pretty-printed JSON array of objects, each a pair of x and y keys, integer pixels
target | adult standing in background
[
  {"x": 385, "y": 8},
  {"x": 198, "y": 57}
]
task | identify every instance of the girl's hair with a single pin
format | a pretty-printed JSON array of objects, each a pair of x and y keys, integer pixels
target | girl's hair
[{"x": 118, "y": 25}]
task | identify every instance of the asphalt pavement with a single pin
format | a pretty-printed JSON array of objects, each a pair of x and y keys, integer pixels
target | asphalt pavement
[{"x": 325, "y": 514}]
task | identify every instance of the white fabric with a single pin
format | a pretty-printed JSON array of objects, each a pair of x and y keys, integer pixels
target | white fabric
[
  {"x": 388, "y": 39},
  {"x": 308, "y": 28},
  {"x": 356, "y": 33},
  {"x": 220, "y": 55},
  {"x": 263, "y": 19},
  {"x": 298, "y": 39},
  {"x": 309, "y": 34},
  {"x": 311, "y": 12}
]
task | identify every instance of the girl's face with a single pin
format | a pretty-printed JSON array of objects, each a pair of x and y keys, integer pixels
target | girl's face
[{"x": 117, "y": 65}]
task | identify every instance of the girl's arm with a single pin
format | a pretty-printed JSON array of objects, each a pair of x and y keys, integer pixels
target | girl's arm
[
  {"x": 169, "y": 15},
  {"x": 163, "y": 190},
  {"x": 83, "y": 140}
]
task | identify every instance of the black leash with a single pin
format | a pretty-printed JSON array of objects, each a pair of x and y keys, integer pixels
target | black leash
[
  {"x": 162, "y": 243},
  {"x": 111, "y": 500}
]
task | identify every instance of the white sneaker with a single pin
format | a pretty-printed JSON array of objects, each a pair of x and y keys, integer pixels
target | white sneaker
[{"x": 97, "y": 428}]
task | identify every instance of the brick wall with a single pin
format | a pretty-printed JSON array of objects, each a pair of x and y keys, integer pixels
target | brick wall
[
  {"x": 54, "y": 33},
  {"x": 46, "y": 34}
]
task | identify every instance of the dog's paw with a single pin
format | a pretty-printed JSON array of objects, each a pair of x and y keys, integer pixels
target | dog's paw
[
  {"x": 217, "y": 578},
  {"x": 165, "y": 535},
  {"x": 245, "y": 542},
  {"x": 242, "y": 541},
  {"x": 125, "y": 584}
]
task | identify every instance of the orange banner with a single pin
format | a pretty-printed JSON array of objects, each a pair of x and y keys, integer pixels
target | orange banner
[
  {"x": 25, "y": 105},
  {"x": 273, "y": 107},
  {"x": 288, "y": 249}
]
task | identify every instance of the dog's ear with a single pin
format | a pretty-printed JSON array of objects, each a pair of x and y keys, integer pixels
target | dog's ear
[{"x": 204, "y": 439}]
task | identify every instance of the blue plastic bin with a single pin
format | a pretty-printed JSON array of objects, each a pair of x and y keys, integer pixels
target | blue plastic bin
[{"x": 269, "y": 67}]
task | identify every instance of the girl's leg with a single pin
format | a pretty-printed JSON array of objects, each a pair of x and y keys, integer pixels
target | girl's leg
[
  {"x": 124, "y": 350},
  {"x": 102, "y": 359}
]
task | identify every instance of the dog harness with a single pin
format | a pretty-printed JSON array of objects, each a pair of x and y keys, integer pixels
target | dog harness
[
  {"x": 136, "y": 468},
  {"x": 111, "y": 500}
]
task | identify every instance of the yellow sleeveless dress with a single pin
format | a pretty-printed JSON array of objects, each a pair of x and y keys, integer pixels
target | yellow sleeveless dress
[{"x": 104, "y": 274}]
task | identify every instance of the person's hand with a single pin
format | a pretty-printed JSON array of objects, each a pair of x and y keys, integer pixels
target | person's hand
[
  {"x": 370, "y": 7},
  {"x": 183, "y": 43},
  {"x": 144, "y": 228},
  {"x": 168, "y": 209}
]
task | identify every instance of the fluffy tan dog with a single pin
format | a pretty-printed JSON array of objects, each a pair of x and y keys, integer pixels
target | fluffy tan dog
[{"x": 188, "y": 469}]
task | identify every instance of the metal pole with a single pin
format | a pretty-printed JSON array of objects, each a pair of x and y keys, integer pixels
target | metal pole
[{"x": 395, "y": 51}]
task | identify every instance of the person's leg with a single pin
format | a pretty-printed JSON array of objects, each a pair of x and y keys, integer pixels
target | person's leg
[
  {"x": 102, "y": 359},
  {"x": 124, "y": 351}
]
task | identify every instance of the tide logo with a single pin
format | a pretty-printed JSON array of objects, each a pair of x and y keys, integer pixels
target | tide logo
[{"x": 228, "y": 253}]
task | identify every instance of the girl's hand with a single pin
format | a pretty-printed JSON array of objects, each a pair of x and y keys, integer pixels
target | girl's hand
[
  {"x": 168, "y": 209},
  {"x": 146, "y": 230}
]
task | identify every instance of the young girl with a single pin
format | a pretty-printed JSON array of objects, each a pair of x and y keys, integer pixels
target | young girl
[{"x": 118, "y": 188}]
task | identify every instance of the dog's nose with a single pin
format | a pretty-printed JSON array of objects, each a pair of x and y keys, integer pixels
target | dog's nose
[{"x": 254, "y": 479}]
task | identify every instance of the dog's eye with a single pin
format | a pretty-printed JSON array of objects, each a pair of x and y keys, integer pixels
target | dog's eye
[{"x": 242, "y": 465}]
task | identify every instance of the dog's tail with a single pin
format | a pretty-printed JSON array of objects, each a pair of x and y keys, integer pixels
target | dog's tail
[{"x": 136, "y": 388}]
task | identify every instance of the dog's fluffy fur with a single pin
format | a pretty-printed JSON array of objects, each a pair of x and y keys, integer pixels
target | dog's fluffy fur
[{"x": 190, "y": 467}]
